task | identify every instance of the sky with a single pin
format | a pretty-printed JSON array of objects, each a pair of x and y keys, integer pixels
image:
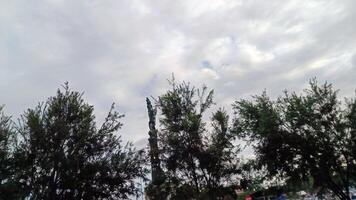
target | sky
[{"x": 125, "y": 50}]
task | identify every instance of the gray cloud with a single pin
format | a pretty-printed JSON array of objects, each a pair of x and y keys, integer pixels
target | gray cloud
[{"x": 123, "y": 51}]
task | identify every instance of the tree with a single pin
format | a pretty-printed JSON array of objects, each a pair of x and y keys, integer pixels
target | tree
[
  {"x": 304, "y": 136},
  {"x": 197, "y": 161},
  {"x": 8, "y": 189},
  {"x": 181, "y": 135},
  {"x": 218, "y": 160},
  {"x": 155, "y": 190},
  {"x": 63, "y": 155}
]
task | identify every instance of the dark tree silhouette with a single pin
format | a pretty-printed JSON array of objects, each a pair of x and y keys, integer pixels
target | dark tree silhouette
[
  {"x": 219, "y": 159},
  {"x": 197, "y": 161},
  {"x": 302, "y": 136},
  {"x": 63, "y": 155},
  {"x": 155, "y": 190},
  {"x": 8, "y": 188}
]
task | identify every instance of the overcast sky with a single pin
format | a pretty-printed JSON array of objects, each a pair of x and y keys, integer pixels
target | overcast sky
[{"x": 124, "y": 50}]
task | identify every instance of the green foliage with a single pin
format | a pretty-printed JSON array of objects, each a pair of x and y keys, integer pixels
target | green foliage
[
  {"x": 197, "y": 161},
  {"x": 305, "y": 141},
  {"x": 156, "y": 190},
  {"x": 63, "y": 155},
  {"x": 303, "y": 136},
  {"x": 8, "y": 188},
  {"x": 5, "y": 136}
]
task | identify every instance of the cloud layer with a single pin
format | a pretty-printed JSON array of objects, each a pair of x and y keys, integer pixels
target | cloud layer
[{"x": 123, "y": 51}]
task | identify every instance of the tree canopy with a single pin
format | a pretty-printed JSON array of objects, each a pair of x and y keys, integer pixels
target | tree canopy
[
  {"x": 8, "y": 187},
  {"x": 62, "y": 154},
  {"x": 56, "y": 150},
  {"x": 302, "y": 136},
  {"x": 197, "y": 161}
]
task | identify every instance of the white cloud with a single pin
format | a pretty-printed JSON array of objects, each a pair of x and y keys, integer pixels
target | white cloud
[{"x": 123, "y": 51}]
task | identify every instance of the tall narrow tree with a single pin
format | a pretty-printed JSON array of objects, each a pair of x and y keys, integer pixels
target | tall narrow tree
[{"x": 155, "y": 190}]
